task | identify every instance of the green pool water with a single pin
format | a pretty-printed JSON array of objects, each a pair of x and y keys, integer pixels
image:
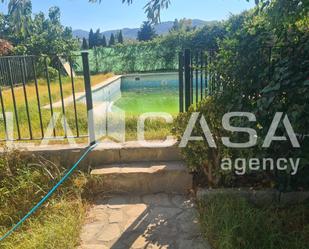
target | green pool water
[{"x": 149, "y": 93}]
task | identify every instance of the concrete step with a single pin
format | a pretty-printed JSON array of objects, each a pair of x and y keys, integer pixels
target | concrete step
[
  {"x": 133, "y": 152},
  {"x": 108, "y": 153},
  {"x": 143, "y": 178}
]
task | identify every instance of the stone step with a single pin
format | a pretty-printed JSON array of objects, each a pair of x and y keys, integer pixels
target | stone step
[
  {"x": 143, "y": 178},
  {"x": 133, "y": 152},
  {"x": 108, "y": 153}
]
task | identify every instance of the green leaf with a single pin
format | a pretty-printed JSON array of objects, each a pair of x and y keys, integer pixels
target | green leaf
[{"x": 271, "y": 88}]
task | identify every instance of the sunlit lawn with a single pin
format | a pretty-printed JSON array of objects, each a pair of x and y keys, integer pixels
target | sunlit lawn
[{"x": 44, "y": 101}]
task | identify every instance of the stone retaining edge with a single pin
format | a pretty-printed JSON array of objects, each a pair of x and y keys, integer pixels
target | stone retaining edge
[{"x": 258, "y": 197}]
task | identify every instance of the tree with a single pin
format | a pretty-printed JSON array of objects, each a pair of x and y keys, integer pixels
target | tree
[
  {"x": 147, "y": 32},
  {"x": 41, "y": 36},
  {"x": 112, "y": 40},
  {"x": 97, "y": 38},
  {"x": 19, "y": 12},
  {"x": 175, "y": 25},
  {"x": 91, "y": 39},
  {"x": 104, "y": 42},
  {"x": 182, "y": 25},
  {"x": 54, "y": 15},
  {"x": 120, "y": 37},
  {"x": 85, "y": 44},
  {"x": 152, "y": 8}
]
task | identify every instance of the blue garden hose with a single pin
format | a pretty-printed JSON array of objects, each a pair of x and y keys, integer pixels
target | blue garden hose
[{"x": 37, "y": 206}]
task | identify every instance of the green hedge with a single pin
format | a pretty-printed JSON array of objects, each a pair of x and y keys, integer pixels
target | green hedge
[{"x": 141, "y": 57}]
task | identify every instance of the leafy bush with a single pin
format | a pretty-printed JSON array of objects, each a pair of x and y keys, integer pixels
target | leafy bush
[
  {"x": 265, "y": 64},
  {"x": 41, "y": 68},
  {"x": 198, "y": 154},
  {"x": 200, "y": 157},
  {"x": 262, "y": 67}
]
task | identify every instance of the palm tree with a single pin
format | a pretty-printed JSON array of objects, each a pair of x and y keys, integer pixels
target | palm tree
[{"x": 20, "y": 14}]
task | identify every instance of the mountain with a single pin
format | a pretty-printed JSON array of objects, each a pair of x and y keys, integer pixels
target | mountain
[
  {"x": 79, "y": 33},
  {"x": 161, "y": 29}
]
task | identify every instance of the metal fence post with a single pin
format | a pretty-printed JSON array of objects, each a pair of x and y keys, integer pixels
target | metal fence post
[
  {"x": 270, "y": 50},
  {"x": 196, "y": 77},
  {"x": 181, "y": 81},
  {"x": 206, "y": 75},
  {"x": 13, "y": 96},
  {"x": 191, "y": 78},
  {"x": 187, "y": 79},
  {"x": 87, "y": 80},
  {"x": 202, "y": 71}
]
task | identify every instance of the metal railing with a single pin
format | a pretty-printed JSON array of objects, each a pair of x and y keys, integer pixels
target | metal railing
[
  {"x": 35, "y": 91},
  {"x": 196, "y": 77},
  {"x": 14, "y": 64},
  {"x": 199, "y": 75}
]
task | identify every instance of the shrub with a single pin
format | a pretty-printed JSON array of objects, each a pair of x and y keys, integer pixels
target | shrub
[
  {"x": 199, "y": 156},
  {"x": 260, "y": 67},
  {"x": 205, "y": 160},
  {"x": 202, "y": 158}
]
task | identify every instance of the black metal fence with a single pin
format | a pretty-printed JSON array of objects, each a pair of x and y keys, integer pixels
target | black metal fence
[
  {"x": 11, "y": 67},
  {"x": 35, "y": 92},
  {"x": 198, "y": 74},
  {"x": 196, "y": 77}
]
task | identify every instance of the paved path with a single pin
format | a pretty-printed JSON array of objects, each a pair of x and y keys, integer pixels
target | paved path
[{"x": 142, "y": 222}]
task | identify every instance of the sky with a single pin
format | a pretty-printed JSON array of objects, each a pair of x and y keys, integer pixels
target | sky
[{"x": 112, "y": 14}]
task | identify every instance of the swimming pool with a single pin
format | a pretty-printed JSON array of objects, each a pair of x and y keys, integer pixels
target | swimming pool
[{"x": 141, "y": 93}]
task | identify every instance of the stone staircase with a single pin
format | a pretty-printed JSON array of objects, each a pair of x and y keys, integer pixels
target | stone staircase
[
  {"x": 140, "y": 200},
  {"x": 126, "y": 168},
  {"x": 132, "y": 168}
]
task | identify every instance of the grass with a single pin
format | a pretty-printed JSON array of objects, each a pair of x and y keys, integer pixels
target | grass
[
  {"x": 154, "y": 129},
  {"x": 55, "y": 89},
  {"x": 58, "y": 226},
  {"x": 44, "y": 101},
  {"x": 232, "y": 223},
  {"x": 23, "y": 182}
]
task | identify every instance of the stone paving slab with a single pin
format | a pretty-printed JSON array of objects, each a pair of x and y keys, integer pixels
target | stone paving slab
[{"x": 158, "y": 221}]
